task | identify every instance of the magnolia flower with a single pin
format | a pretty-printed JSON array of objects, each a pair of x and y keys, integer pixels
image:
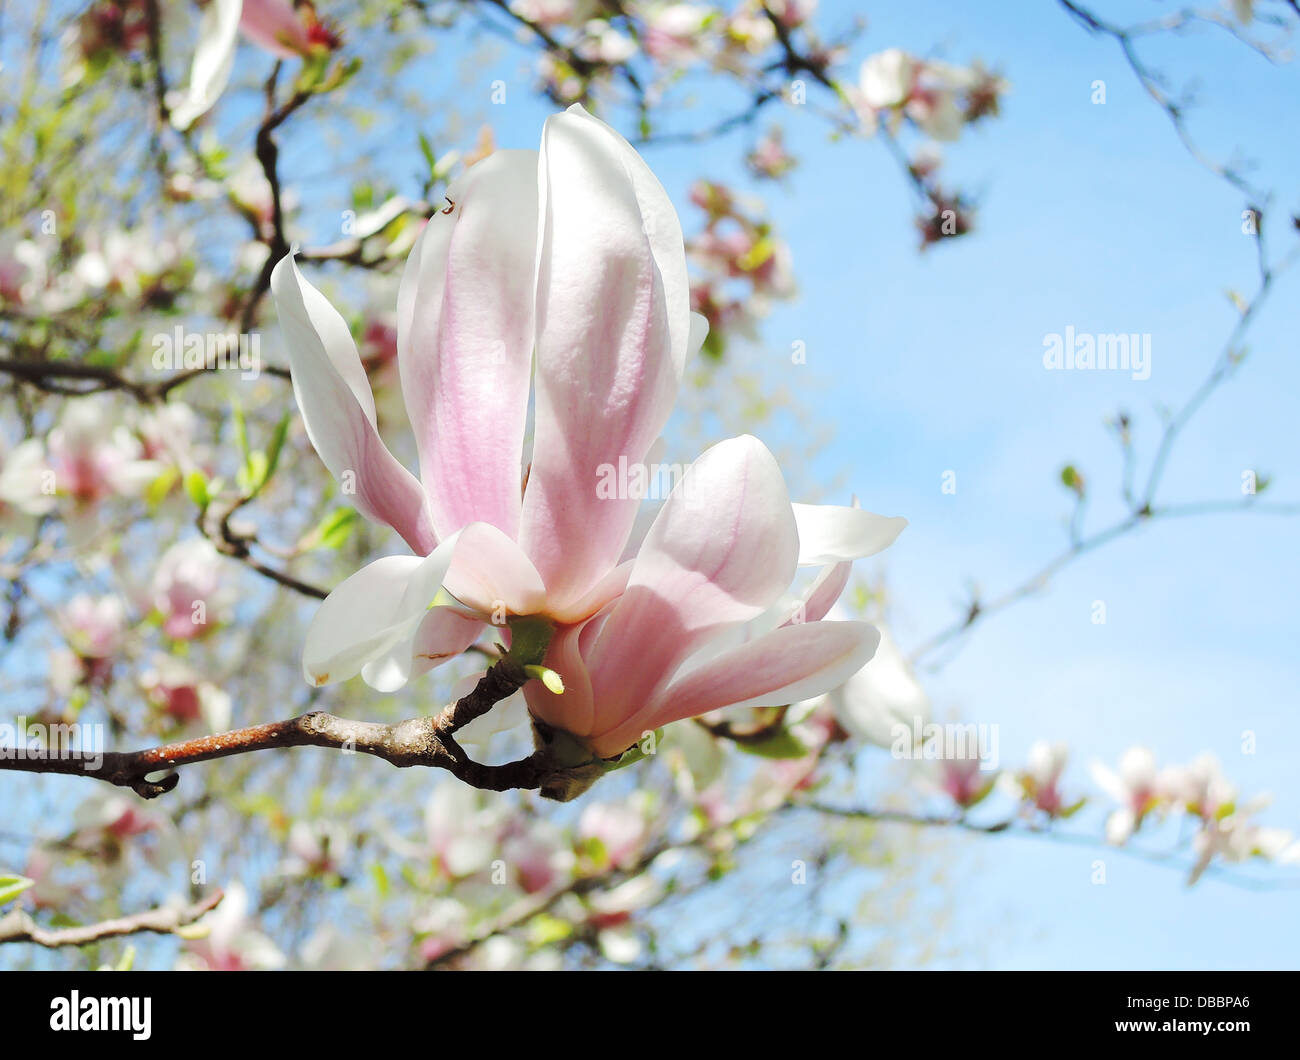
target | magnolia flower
[
  {"x": 25, "y": 487},
  {"x": 701, "y": 624},
  {"x": 620, "y": 828},
  {"x": 187, "y": 589},
  {"x": 179, "y": 692},
  {"x": 95, "y": 628},
  {"x": 964, "y": 781},
  {"x": 574, "y": 258},
  {"x": 673, "y": 33},
  {"x": 167, "y": 434},
  {"x": 1200, "y": 788},
  {"x": 1039, "y": 782},
  {"x": 1236, "y": 838},
  {"x": 1134, "y": 787},
  {"x": 315, "y": 848},
  {"x": 280, "y": 27},
  {"x": 549, "y": 13},
  {"x": 883, "y": 699},
  {"x": 463, "y": 829},
  {"x": 769, "y": 158},
  {"x": 886, "y": 78},
  {"x": 575, "y": 252},
  {"x": 538, "y": 855},
  {"x": 230, "y": 942},
  {"x": 128, "y": 261},
  {"x": 92, "y": 458}
]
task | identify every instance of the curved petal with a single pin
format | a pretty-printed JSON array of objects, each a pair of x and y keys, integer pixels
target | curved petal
[
  {"x": 880, "y": 697},
  {"x": 274, "y": 26},
  {"x": 371, "y": 612},
  {"x": 338, "y": 410},
  {"x": 572, "y": 710},
  {"x": 787, "y": 665},
  {"x": 492, "y": 575},
  {"x": 613, "y": 326},
  {"x": 721, "y": 551},
  {"x": 826, "y": 589},
  {"x": 442, "y": 634},
  {"x": 465, "y": 342},
  {"x": 214, "y": 57},
  {"x": 831, "y": 533}
]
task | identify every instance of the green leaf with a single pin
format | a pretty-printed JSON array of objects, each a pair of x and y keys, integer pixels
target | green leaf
[
  {"x": 277, "y": 446},
  {"x": 782, "y": 744},
  {"x": 334, "y": 529},
  {"x": 12, "y": 886},
  {"x": 380, "y": 876},
  {"x": 196, "y": 485},
  {"x": 426, "y": 149}
]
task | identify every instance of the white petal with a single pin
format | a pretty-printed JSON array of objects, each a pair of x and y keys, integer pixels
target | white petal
[{"x": 831, "y": 533}]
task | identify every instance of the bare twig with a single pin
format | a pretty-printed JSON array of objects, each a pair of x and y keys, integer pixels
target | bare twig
[{"x": 18, "y": 926}]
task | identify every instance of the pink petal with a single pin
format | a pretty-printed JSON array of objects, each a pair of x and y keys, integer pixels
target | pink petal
[
  {"x": 573, "y": 710},
  {"x": 722, "y": 550},
  {"x": 492, "y": 575},
  {"x": 613, "y": 326},
  {"x": 338, "y": 410},
  {"x": 784, "y": 666},
  {"x": 274, "y": 26},
  {"x": 465, "y": 342}
]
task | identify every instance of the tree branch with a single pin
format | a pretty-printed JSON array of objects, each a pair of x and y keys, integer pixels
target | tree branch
[
  {"x": 18, "y": 926},
  {"x": 556, "y": 768}
]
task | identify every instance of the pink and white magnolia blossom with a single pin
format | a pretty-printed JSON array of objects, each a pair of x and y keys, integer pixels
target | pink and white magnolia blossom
[
  {"x": 279, "y": 27},
  {"x": 187, "y": 589},
  {"x": 883, "y": 703},
  {"x": 571, "y": 258},
  {"x": 26, "y": 490},
  {"x": 93, "y": 457},
  {"x": 1135, "y": 786}
]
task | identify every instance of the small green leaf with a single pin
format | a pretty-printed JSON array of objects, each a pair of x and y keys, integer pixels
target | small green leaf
[
  {"x": 782, "y": 744},
  {"x": 12, "y": 886},
  {"x": 334, "y": 529},
  {"x": 196, "y": 485}
]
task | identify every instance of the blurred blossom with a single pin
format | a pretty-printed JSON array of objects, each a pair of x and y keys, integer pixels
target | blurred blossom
[
  {"x": 187, "y": 589},
  {"x": 462, "y": 829},
  {"x": 883, "y": 700},
  {"x": 314, "y": 848},
  {"x": 1134, "y": 786},
  {"x": 1039, "y": 783},
  {"x": 232, "y": 943},
  {"x": 176, "y": 689},
  {"x": 539, "y": 856},
  {"x": 769, "y": 158},
  {"x": 23, "y": 482},
  {"x": 94, "y": 457},
  {"x": 963, "y": 781},
  {"x": 673, "y": 32},
  {"x": 96, "y": 631},
  {"x": 620, "y": 827},
  {"x": 167, "y": 433}
]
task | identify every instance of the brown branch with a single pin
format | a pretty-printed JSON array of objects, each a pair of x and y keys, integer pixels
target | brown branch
[
  {"x": 18, "y": 926},
  {"x": 556, "y": 768}
]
